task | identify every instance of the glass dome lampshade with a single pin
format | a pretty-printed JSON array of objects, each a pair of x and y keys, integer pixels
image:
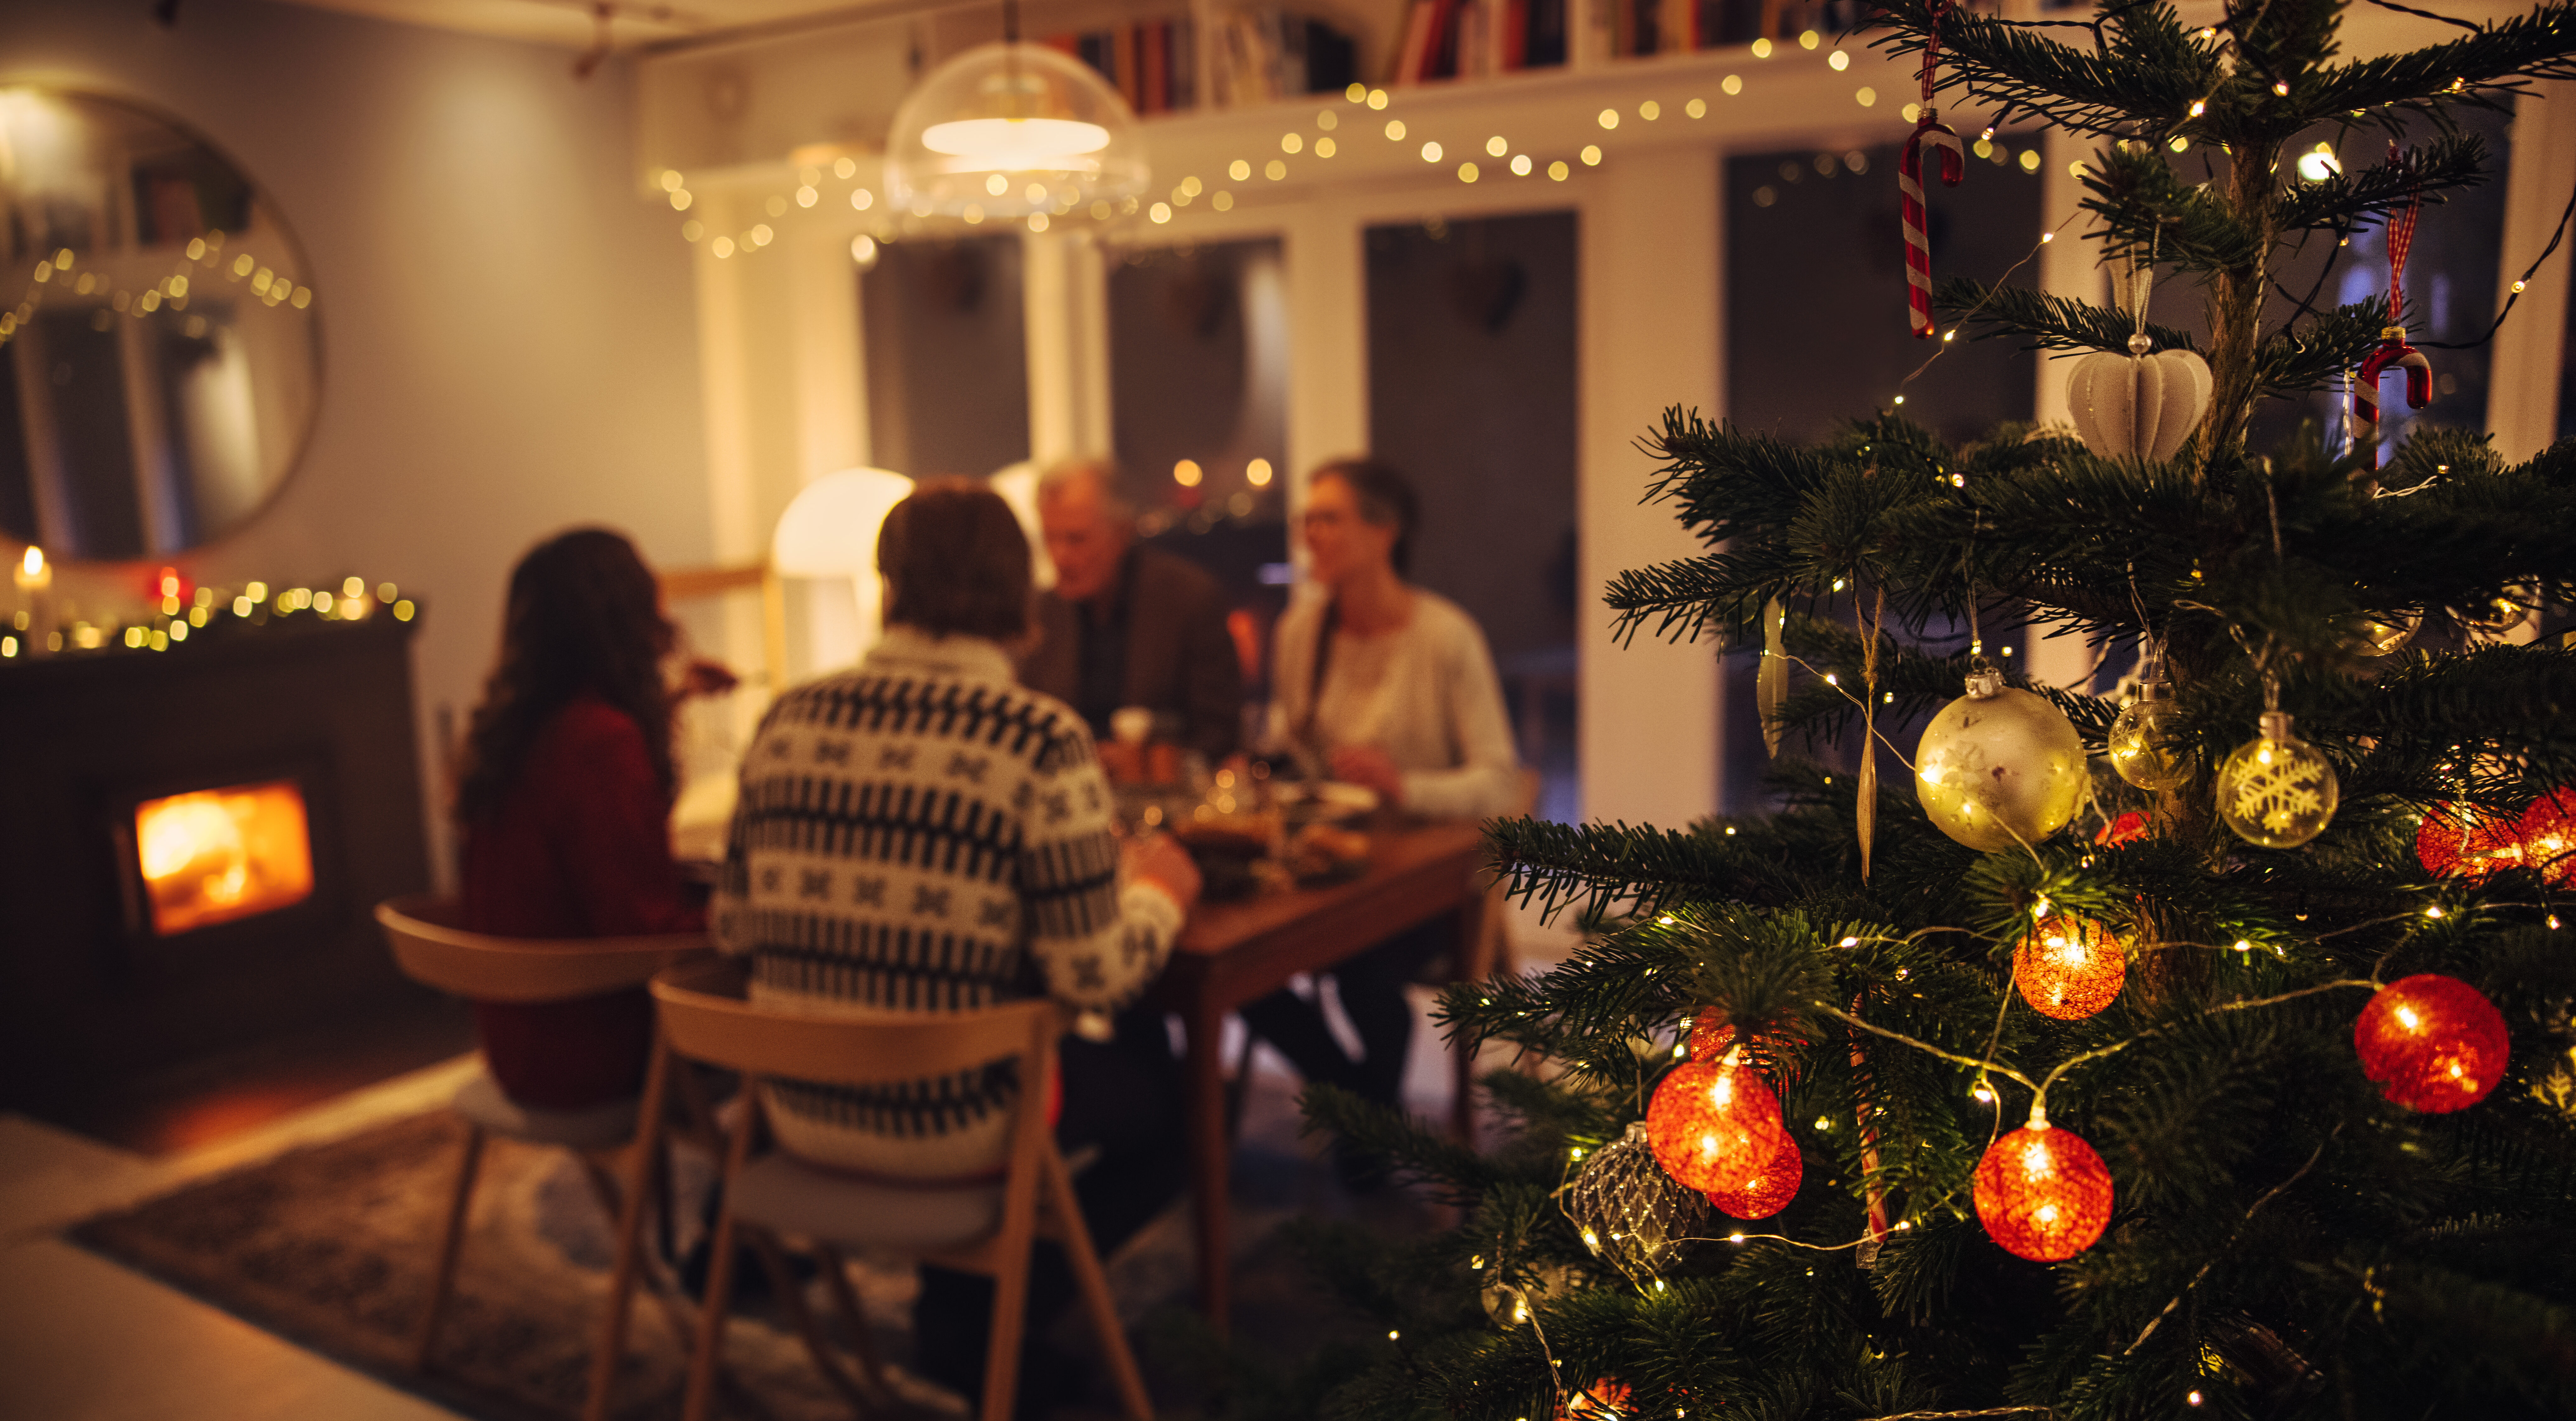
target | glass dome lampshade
[{"x": 1009, "y": 130}]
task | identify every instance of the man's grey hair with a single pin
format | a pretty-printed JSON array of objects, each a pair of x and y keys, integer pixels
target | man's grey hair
[{"x": 1103, "y": 474}]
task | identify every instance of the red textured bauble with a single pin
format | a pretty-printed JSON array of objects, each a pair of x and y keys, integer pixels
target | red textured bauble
[
  {"x": 1714, "y": 1127},
  {"x": 2043, "y": 1194},
  {"x": 2129, "y": 828},
  {"x": 2432, "y": 1043},
  {"x": 2546, "y": 837},
  {"x": 1604, "y": 1400},
  {"x": 2464, "y": 841},
  {"x": 1774, "y": 1053},
  {"x": 1770, "y": 1191},
  {"x": 2070, "y": 967}
]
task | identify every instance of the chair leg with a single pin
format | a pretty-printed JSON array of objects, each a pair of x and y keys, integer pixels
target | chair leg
[
  {"x": 837, "y": 1270},
  {"x": 782, "y": 1282},
  {"x": 643, "y": 1186},
  {"x": 451, "y": 1242},
  {"x": 711, "y": 1311},
  {"x": 1093, "y": 1280}
]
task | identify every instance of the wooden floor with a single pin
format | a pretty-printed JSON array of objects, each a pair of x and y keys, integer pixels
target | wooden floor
[{"x": 83, "y": 1339}]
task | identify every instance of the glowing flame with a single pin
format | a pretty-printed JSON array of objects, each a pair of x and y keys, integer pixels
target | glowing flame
[{"x": 216, "y": 855}]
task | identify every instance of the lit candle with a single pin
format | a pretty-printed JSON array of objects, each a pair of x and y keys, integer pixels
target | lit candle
[{"x": 35, "y": 578}]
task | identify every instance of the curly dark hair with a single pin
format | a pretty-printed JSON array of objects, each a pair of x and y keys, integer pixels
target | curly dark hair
[{"x": 584, "y": 618}]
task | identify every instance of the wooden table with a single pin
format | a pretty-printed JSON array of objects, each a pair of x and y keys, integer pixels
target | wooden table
[{"x": 1234, "y": 953}]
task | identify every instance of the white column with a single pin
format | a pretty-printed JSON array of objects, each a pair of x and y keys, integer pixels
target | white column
[
  {"x": 2069, "y": 265},
  {"x": 1325, "y": 252},
  {"x": 1065, "y": 296},
  {"x": 2523, "y": 365},
  {"x": 1652, "y": 318}
]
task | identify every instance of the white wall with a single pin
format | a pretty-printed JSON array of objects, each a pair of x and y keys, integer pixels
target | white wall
[{"x": 509, "y": 327}]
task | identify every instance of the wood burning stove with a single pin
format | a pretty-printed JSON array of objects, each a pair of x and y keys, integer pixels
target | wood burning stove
[{"x": 190, "y": 844}]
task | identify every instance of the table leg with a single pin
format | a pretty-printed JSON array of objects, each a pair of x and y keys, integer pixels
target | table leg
[{"x": 1210, "y": 1145}]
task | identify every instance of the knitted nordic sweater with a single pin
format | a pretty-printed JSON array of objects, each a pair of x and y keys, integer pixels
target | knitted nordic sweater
[{"x": 923, "y": 835}]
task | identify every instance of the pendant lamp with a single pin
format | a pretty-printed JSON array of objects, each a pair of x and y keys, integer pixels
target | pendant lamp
[{"x": 1014, "y": 130}]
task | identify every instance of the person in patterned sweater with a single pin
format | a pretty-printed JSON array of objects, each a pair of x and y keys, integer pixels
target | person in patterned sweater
[{"x": 921, "y": 834}]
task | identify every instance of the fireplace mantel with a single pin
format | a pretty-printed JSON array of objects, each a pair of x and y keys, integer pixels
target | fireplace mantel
[{"x": 93, "y": 998}]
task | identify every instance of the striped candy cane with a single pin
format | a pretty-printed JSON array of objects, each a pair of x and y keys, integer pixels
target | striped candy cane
[{"x": 1929, "y": 133}]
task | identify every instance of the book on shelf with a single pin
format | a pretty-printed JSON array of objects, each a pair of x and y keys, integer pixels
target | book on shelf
[
  {"x": 1151, "y": 63},
  {"x": 1470, "y": 39}
]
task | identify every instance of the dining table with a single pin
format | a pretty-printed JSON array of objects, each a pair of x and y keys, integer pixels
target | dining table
[{"x": 1232, "y": 953}]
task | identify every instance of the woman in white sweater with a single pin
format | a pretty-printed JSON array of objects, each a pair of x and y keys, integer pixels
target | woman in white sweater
[{"x": 1391, "y": 686}]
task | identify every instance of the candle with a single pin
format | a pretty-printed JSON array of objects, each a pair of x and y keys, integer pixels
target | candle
[{"x": 35, "y": 577}]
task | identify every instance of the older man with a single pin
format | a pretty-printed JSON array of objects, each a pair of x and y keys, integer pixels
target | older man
[{"x": 1129, "y": 625}]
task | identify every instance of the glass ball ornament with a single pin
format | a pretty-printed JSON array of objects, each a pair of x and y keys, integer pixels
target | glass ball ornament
[
  {"x": 1998, "y": 767},
  {"x": 2544, "y": 839},
  {"x": 2146, "y": 741},
  {"x": 1631, "y": 1213},
  {"x": 2070, "y": 967},
  {"x": 2387, "y": 634},
  {"x": 2276, "y": 790},
  {"x": 2432, "y": 1043},
  {"x": 1714, "y": 1126},
  {"x": 1768, "y": 1192},
  {"x": 2466, "y": 842},
  {"x": 1010, "y": 129},
  {"x": 2042, "y": 1193},
  {"x": 2494, "y": 616}
]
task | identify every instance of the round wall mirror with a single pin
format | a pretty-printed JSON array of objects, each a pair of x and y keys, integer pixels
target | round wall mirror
[{"x": 159, "y": 356}]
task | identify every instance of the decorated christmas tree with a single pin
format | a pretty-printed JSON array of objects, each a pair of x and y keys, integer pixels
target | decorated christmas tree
[{"x": 2199, "y": 1050}]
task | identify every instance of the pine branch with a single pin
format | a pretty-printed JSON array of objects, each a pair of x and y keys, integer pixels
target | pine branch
[
  {"x": 2048, "y": 322},
  {"x": 2339, "y": 204}
]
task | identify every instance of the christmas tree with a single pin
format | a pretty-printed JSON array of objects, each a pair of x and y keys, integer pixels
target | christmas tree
[{"x": 2203, "y": 1055}]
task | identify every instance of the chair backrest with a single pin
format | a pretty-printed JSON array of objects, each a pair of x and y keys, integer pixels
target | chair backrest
[
  {"x": 706, "y": 1018},
  {"x": 434, "y": 951}
]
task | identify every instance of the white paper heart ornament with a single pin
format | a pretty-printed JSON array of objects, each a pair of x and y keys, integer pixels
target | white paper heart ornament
[{"x": 2138, "y": 405}]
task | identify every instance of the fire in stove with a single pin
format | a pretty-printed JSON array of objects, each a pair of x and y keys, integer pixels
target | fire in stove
[{"x": 211, "y": 856}]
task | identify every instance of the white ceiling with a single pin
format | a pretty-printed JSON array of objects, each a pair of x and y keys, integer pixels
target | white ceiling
[{"x": 575, "y": 24}]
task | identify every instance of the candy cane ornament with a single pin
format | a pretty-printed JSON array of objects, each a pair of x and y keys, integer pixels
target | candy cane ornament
[
  {"x": 2393, "y": 349},
  {"x": 1930, "y": 132}
]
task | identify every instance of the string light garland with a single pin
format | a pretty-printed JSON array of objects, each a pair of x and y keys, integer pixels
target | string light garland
[
  {"x": 182, "y": 614},
  {"x": 57, "y": 277}
]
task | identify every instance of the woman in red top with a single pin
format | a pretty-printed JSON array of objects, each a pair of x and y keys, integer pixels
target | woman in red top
[{"x": 564, "y": 804}]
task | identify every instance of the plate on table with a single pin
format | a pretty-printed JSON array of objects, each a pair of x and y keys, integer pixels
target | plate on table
[{"x": 1333, "y": 800}]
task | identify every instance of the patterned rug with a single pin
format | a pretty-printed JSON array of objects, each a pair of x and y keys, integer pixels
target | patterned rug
[{"x": 331, "y": 1247}]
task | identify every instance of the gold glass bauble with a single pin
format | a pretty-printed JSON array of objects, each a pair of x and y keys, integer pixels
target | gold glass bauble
[
  {"x": 2276, "y": 791},
  {"x": 1999, "y": 768},
  {"x": 2387, "y": 635},
  {"x": 2146, "y": 741}
]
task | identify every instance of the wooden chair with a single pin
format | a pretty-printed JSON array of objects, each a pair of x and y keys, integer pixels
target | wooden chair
[
  {"x": 986, "y": 1229},
  {"x": 434, "y": 951}
]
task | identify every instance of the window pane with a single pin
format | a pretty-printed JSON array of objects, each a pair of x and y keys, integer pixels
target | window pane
[
  {"x": 947, "y": 361},
  {"x": 1472, "y": 394}
]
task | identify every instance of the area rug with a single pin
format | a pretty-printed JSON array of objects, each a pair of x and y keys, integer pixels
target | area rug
[{"x": 332, "y": 1247}]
